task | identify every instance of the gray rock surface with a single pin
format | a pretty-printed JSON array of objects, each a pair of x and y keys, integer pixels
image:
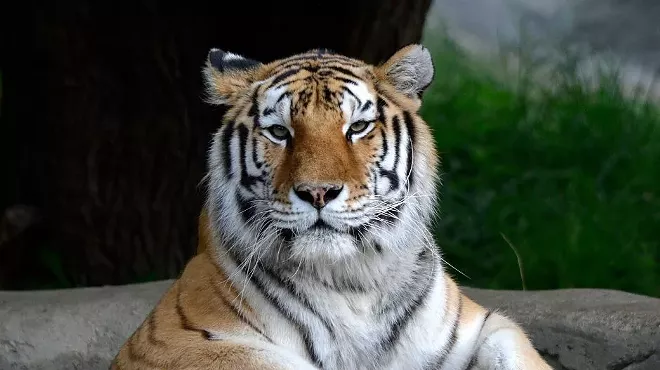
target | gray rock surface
[
  {"x": 71, "y": 329},
  {"x": 83, "y": 328}
]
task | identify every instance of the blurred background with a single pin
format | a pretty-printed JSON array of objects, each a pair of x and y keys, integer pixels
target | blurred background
[{"x": 544, "y": 111}]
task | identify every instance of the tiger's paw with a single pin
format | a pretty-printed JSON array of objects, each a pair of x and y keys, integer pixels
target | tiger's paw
[{"x": 506, "y": 347}]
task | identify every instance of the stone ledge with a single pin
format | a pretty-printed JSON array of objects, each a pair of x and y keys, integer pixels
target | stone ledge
[{"x": 577, "y": 329}]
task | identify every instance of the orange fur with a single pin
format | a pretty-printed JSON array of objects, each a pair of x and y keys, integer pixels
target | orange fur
[{"x": 172, "y": 336}]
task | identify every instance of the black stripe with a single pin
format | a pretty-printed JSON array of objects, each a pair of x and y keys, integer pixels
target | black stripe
[
  {"x": 275, "y": 301},
  {"x": 152, "y": 331},
  {"x": 391, "y": 176},
  {"x": 396, "y": 128},
  {"x": 383, "y": 135},
  {"x": 297, "y": 58},
  {"x": 486, "y": 316},
  {"x": 367, "y": 105},
  {"x": 357, "y": 232},
  {"x": 283, "y": 75},
  {"x": 267, "y": 111},
  {"x": 287, "y": 235},
  {"x": 291, "y": 288},
  {"x": 408, "y": 120},
  {"x": 134, "y": 356},
  {"x": 311, "y": 69},
  {"x": 449, "y": 346},
  {"x": 381, "y": 104},
  {"x": 472, "y": 363},
  {"x": 246, "y": 180},
  {"x": 473, "y": 359},
  {"x": 327, "y": 94},
  {"x": 359, "y": 101},
  {"x": 290, "y": 82},
  {"x": 331, "y": 55},
  {"x": 324, "y": 59},
  {"x": 306, "y": 332},
  {"x": 391, "y": 216},
  {"x": 257, "y": 163},
  {"x": 343, "y": 70},
  {"x": 248, "y": 214},
  {"x": 341, "y": 285},
  {"x": 185, "y": 322},
  {"x": 271, "y": 110},
  {"x": 404, "y": 319},
  {"x": 254, "y": 108},
  {"x": 344, "y": 80},
  {"x": 227, "y": 135},
  {"x": 343, "y": 62},
  {"x": 285, "y": 95},
  {"x": 394, "y": 305},
  {"x": 238, "y": 312}
]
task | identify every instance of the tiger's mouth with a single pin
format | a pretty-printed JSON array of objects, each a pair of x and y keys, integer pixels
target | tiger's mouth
[
  {"x": 323, "y": 226},
  {"x": 384, "y": 214},
  {"x": 320, "y": 224}
]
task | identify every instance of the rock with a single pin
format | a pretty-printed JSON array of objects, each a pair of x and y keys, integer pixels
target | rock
[
  {"x": 83, "y": 328},
  {"x": 585, "y": 328},
  {"x": 73, "y": 328}
]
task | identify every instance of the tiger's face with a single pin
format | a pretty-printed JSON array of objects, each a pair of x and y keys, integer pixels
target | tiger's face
[{"x": 319, "y": 155}]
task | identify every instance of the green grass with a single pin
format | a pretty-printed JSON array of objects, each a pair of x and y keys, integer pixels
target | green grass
[{"x": 568, "y": 179}]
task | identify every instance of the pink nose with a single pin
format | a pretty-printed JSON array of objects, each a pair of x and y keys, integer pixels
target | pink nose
[{"x": 316, "y": 194}]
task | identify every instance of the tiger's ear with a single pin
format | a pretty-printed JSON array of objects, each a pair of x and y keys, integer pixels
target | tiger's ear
[
  {"x": 410, "y": 70},
  {"x": 227, "y": 74}
]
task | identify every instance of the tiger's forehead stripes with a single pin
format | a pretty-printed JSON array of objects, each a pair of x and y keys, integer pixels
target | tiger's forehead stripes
[
  {"x": 306, "y": 91},
  {"x": 321, "y": 73},
  {"x": 319, "y": 55},
  {"x": 322, "y": 65}
]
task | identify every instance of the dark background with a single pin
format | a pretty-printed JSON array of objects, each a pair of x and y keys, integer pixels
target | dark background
[{"x": 103, "y": 131}]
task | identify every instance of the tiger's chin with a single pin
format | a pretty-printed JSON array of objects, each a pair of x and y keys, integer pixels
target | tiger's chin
[{"x": 323, "y": 245}]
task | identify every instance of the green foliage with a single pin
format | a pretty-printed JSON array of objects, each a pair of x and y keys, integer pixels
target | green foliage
[{"x": 567, "y": 178}]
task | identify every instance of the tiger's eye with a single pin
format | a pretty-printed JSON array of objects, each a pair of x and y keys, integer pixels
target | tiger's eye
[
  {"x": 358, "y": 127},
  {"x": 279, "y": 132}
]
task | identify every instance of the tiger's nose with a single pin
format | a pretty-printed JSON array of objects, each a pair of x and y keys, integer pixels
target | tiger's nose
[{"x": 318, "y": 195}]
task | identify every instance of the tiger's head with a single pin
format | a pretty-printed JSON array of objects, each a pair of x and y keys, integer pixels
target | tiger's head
[{"x": 319, "y": 155}]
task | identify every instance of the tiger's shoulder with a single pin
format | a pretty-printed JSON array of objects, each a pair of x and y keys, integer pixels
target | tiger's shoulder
[{"x": 200, "y": 303}]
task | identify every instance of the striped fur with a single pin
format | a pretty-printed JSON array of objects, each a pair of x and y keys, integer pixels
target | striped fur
[{"x": 289, "y": 278}]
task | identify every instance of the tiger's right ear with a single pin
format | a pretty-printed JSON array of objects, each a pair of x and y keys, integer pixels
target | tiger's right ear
[{"x": 227, "y": 74}]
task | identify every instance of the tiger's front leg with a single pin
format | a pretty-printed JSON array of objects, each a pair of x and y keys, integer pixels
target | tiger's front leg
[
  {"x": 503, "y": 345},
  {"x": 269, "y": 355}
]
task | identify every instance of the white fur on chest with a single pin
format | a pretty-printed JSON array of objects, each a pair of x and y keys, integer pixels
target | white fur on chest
[
  {"x": 359, "y": 332},
  {"x": 357, "y": 328}
]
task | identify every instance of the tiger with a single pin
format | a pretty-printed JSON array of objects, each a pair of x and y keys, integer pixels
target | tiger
[{"x": 315, "y": 245}]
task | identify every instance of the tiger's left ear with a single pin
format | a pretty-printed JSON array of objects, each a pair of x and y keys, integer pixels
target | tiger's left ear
[
  {"x": 227, "y": 74},
  {"x": 410, "y": 70}
]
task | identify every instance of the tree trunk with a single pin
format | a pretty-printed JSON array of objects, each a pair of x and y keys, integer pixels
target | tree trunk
[{"x": 106, "y": 132}]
